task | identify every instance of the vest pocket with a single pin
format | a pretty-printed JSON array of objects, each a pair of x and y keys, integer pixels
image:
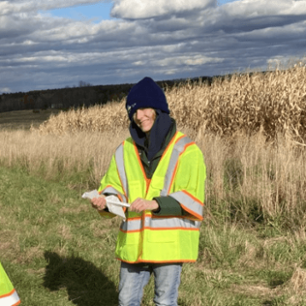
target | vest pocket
[
  {"x": 136, "y": 190},
  {"x": 161, "y": 246},
  {"x": 156, "y": 185},
  {"x": 161, "y": 236}
]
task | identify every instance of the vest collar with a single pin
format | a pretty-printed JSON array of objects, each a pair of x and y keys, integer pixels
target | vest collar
[{"x": 156, "y": 138}]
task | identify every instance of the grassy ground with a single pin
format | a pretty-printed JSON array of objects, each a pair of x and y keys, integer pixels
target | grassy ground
[
  {"x": 58, "y": 251},
  {"x": 53, "y": 245}
]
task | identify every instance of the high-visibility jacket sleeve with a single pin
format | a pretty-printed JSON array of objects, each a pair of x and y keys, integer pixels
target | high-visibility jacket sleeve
[
  {"x": 189, "y": 182},
  {"x": 111, "y": 184},
  {"x": 8, "y": 295}
]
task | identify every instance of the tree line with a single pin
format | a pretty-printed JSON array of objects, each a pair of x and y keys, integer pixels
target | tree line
[{"x": 83, "y": 96}]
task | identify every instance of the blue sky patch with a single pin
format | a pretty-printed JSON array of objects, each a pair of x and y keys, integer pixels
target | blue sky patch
[{"x": 96, "y": 12}]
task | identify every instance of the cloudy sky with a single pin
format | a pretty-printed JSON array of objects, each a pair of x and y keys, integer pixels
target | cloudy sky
[{"x": 55, "y": 43}]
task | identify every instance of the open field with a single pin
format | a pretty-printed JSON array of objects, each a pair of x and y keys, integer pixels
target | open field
[
  {"x": 58, "y": 251},
  {"x": 24, "y": 119}
]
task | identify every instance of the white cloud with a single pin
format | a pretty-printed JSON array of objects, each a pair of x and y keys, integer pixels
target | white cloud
[
  {"x": 5, "y": 90},
  {"x": 139, "y": 63},
  {"x": 260, "y": 8},
  {"x": 139, "y": 9},
  {"x": 161, "y": 38},
  {"x": 283, "y": 62},
  {"x": 188, "y": 60}
]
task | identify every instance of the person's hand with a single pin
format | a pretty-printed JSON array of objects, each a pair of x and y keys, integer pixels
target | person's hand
[
  {"x": 99, "y": 203},
  {"x": 140, "y": 205}
]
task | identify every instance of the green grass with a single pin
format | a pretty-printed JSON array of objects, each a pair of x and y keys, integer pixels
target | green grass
[
  {"x": 53, "y": 245},
  {"x": 58, "y": 251}
]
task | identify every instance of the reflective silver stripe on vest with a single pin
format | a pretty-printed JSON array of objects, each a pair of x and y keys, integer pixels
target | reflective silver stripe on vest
[
  {"x": 112, "y": 190},
  {"x": 177, "y": 150},
  {"x": 121, "y": 170},
  {"x": 188, "y": 202},
  {"x": 159, "y": 223},
  {"x": 9, "y": 300}
]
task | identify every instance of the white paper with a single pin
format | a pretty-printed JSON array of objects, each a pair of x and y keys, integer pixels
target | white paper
[
  {"x": 91, "y": 194},
  {"x": 118, "y": 203},
  {"x": 112, "y": 202},
  {"x": 113, "y": 205}
]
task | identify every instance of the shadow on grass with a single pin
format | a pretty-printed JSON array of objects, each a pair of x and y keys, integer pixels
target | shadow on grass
[{"x": 86, "y": 285}]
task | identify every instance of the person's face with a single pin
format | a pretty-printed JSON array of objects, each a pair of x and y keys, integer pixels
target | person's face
[{"x": 144, "y": 118}]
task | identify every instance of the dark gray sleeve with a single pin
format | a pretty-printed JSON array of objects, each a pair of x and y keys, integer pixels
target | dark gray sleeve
[{"x": 168, "y": 206}]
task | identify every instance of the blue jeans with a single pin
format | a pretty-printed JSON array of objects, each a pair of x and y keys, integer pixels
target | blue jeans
[{"x": 134, "y": 277}]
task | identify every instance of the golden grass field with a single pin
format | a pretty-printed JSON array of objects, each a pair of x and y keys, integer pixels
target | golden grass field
[
  {"x": 252, "y": 132},
  {"x": 251, "y": 129},
  {"x": 271, "y": 102}
]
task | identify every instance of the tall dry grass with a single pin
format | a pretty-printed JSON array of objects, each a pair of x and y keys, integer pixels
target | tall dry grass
[
  {"x": 56, "y": 156},
  {"x": 255, "y": 181},
  {"x": 247, "y": 126},
  {"x": 248, "y": 179},
  {"x": 109, "y": 117},
  {"x": 273, "y": 102}
]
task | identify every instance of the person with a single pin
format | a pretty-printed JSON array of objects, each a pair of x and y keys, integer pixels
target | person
[
  {"x": 161, "y": 173},
  {"x": 8, "y": 295}
]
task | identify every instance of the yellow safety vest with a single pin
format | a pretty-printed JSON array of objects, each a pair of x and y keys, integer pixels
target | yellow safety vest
[
  {"x": 8, "y": 295},
  {"x": 180, "y": 174}
]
